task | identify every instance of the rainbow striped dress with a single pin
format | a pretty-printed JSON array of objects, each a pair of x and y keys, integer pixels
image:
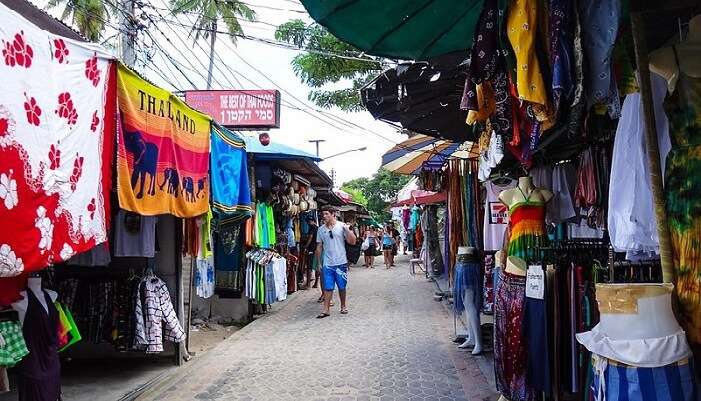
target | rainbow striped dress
[{"x": 527, "y": 227}]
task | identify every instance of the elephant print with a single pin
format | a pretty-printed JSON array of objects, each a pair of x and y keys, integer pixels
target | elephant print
[
  {"x": 189, "y": 189},
  {"x": 145, "y": 158},
  {"x": 201, "y": 184},
  {"x": 172, "y": 178}
]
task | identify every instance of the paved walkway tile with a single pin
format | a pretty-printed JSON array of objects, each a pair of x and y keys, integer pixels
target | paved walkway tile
[{"x": 394, "y": 345}]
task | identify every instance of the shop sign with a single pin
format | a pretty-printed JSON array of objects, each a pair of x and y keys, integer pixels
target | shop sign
[{"x": 238, "y": 109}]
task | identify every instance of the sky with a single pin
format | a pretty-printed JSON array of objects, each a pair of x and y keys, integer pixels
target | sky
[{"x": 297, "y": 127}]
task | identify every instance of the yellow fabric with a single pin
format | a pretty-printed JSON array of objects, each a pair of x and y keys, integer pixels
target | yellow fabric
[
  {"x": 486, "y": 103},
  {"x": 521, "y": 29}
]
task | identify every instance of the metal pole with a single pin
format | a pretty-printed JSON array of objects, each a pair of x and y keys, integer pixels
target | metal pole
[
  {"x": 317, "y": 141},
  {"x": 653, "y": 151},
  {"x": 126, "y": 18}
]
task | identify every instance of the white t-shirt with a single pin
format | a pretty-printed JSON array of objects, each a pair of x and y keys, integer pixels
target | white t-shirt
[{"x": 334, "y": 248}]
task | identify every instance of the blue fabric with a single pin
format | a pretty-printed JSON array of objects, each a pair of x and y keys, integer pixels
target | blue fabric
[
  {"x": 230, "y": 189},
  {"x": 290, "y": 231},
  {"x": 333, "y": 276},
  {"x": 270, "y": 295},
  {"x": 386, "y": 240},
  {"x": 535, "y": 326},
  {"x": 467, "y": 277},
  {"x": 673, "y": 382}
]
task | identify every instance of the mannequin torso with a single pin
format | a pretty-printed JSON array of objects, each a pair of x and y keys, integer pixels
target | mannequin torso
[
  {"x": 664, "y": 63},
  {"x": 33, "y": 285},
  {"x": 525, "y": 191}
]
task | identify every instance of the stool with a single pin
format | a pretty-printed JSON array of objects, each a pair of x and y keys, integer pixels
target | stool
[{"x": 414, "y": 262}]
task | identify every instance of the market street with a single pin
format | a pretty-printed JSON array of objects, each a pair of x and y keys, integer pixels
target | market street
[{"x": 394, "y": 345}]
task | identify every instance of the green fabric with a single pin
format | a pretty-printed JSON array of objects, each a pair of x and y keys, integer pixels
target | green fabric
[
  {"x": 15, "y": 348},
  {"x": 260, "y": 286},
  {"x": 260, "y": 209},
  {"x": 73, "y": 333},
  {"x": 405, "y": 29},
  {"x": 270, "y": 221}
]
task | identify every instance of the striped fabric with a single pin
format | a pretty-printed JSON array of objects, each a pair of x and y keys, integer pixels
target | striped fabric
[
  {"x": 614, "y": 381},
  {"x": 527, "y": 225}
]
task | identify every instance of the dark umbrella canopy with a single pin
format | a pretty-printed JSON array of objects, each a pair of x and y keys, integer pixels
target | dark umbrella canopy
[
  {"x": 403, "y": 29},
  {"x": 422, "y": 97}
]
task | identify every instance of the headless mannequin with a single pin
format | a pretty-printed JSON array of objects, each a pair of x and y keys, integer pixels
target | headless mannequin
[
  {"x": 34, "y": 285},
  {"x": 525, "y": 190},
  {"x": 663, "y": 62},
  {"x": 474, "y": 338}
]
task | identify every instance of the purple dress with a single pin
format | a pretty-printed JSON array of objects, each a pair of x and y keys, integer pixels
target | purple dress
[{"x": 40, "y": 371}]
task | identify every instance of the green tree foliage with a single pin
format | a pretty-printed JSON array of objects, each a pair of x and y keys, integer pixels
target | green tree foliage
[
  {"x": 88, "y": 16},
  {"x": 356, "y": 194},
  {"x": 380, "y": 191},
  {"x": 319, "y": 68},
  {"x": 209, "y": 13}
]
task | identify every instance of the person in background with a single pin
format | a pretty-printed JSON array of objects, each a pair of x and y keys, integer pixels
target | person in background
[
  {"x": 387, "y": 245},
  {"x": 370, "y": 236},
  {"x": 309, "y": 247},
  {"x": 397, "y": 238},
  {"x": 331, "y": 239}
]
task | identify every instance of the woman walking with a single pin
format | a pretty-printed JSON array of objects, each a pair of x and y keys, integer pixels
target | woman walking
[
  {"x": 371, "y": 238},
  {"x": 387, "y": 246}
]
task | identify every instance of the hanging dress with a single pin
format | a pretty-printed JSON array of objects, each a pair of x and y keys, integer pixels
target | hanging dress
[
  {"x": 39, "y": 373},
  {"x": 682, "y": 189},
  {"x": 527, "y": 225}
]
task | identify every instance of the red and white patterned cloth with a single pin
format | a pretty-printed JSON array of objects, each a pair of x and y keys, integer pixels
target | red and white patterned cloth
[{"x": 56, "y": 145}]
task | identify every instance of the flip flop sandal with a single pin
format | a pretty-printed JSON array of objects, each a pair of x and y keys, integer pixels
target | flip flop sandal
[
  {"x": 322, "y": 315},
  {"x": 344, "y": 311},
  {"x": 320, "y": 300}
]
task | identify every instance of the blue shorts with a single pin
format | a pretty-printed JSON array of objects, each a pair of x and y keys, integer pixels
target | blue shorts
[{"x": 334, "y": 276}]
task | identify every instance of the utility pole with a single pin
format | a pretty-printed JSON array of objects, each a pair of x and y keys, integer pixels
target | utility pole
[
  {"x": 333, "y": 178},
  {"x": 317, "y": 141},
  {"x": 129, "y": 31}
]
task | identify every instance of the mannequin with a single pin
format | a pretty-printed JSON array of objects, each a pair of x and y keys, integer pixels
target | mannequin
[
  {"x": 34, "y": 285},
  {"x": 515, "y": 266},
  {"x": 467, "y": 257},
  {"x": 663, "y": 62},
  {"x": 39, "y": 373},
  {"x": 525, "y": 190}
]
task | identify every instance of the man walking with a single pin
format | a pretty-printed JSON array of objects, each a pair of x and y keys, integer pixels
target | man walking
[{"x": 331, "y": 238}]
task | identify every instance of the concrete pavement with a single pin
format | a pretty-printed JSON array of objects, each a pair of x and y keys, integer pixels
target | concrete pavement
[{"x": 394, "y": 345}]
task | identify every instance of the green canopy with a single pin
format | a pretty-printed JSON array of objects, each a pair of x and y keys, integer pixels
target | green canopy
[{"x": 403, "y": 29}]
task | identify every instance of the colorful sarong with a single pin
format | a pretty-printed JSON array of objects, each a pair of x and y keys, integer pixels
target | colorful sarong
[
  {"x": 56, "y": 141},
  {"x": 231, "y": 193},
  {"x": 163, "y": 152}
]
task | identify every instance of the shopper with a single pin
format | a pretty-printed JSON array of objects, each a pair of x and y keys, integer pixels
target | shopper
[
  {"x": 310, "y": 246},
  {"x": 371, "y": 237},
  {"x": 387, "y": 244},
  {"x": 395, "y": 247},
  {"x": 331, "y": 238}
]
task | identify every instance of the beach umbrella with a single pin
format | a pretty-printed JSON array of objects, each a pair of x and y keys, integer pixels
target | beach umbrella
[
  {"x": 410, "y": 156},
  {"x": 402, "y": 29}
]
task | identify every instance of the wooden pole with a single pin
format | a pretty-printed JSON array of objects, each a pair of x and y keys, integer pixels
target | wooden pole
[{"x": 653, "y": 150}]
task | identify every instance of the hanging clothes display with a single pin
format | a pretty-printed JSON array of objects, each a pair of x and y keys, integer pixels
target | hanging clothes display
[
  {"x": 14, "y": 348},
  {"x": 527, "y": 227},
  {"x": 231, "y": 193},
  {"x": 496, "y": 215},
  {"x": 39, "y": 373},
  {"x": 266, "y": 277},
  {"x": 631, "y": 216},
  {"x": 99, "y": 255},
  {"x": 56, "y": 141},
  {"x": 265, "y": 226},
  {"x": 134, "y": 235},
  {"x": 228, "y": 258},
  {"x": 682, "y": 186},
  {"x": 156, "y": 319}
]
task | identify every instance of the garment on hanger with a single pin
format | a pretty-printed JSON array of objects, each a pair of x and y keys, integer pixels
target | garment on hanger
[
  {"x": 204, "y": 278},
  {"x": 631, "y": 219},
  {"x": 156, "y": 319},
  {"x": 496, "y": 215},
  {"x": 134, "y": 235},
  {"x": 561, "y": 206},
  {"x": 14, "y": 348},
  {"x": 521, "y": 29},
  {"x": 682, "y": 186},
  {"x": 99, "y": 255},
  {"x": 39, "y": 373}
]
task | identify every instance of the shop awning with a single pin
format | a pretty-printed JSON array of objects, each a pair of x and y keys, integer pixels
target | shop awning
[
  {"x": 411, "y": 155},
  {"x": 403, "y": 29},
  {"x": 275, "y": 151},
  {"x": 419, "y": 197}
]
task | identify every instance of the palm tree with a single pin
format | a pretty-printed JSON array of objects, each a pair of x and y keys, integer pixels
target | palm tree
[
  {"x": 89, "y": 16},
  {"x": 209, "y": 12}
]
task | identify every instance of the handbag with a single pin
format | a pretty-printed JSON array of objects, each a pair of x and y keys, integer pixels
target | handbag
[
  {"x": 68, "y": 333},
  {"x": 365, "y": 245}
]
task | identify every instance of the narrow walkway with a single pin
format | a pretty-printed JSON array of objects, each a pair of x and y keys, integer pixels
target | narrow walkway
[{"x": 394, "y": 345}]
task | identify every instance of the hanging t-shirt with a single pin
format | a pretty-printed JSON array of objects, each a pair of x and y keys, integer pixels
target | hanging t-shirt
[
  {"x": 496, "y": 216},
  {"x": 134, "y": 235}
]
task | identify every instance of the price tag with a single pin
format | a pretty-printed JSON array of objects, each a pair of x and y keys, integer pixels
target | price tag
[{"x": 535, "y": 282}]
